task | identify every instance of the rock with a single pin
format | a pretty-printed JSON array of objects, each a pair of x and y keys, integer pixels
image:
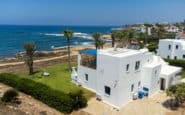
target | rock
[
  {"x": 43, "y": 113},
  {"x": 9, "y": 106}
]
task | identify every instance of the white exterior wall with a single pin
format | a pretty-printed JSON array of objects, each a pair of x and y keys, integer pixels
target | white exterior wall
[
  {"x": 171, "y": 79},
  {"x": 92, "y": 76},
  {"x": 108, "y": 74},
  {"x": 164, "y": 51},
  {"x": 111, "y": 72},
  {"x": 127, "y": 78}
]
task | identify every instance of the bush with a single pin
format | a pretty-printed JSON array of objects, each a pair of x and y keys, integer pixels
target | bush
[
  {"x": 152, "y": 47},
  {"x": 180, "y": 63},
  {"x": 79, "y": 101},
  {"x": 59, "y": 100},
  {"x": 9, "y": 95}
]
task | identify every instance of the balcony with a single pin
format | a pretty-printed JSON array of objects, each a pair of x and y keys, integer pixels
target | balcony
[{"x": 88, "y": 58}]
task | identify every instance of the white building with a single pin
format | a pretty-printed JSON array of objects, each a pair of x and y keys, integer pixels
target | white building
[
  {"x": 172, "y": 48},
  {"x": 173, "y": 29},
  {"x": 117, "y": 76}
]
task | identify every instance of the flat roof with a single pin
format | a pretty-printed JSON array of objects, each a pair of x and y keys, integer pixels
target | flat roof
[
  {"x": 174, "y": 40},
  {"x": 168, "y": 70},
  {"x": 121, "y": 52}
]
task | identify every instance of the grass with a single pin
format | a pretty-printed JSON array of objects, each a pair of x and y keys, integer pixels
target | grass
[
  {"x": 183, "y": 74},
  {"x": 59, "y": 79}
]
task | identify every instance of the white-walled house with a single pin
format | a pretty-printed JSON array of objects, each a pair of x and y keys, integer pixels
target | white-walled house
[
  {"x": 172, "y": 48},
  {"x": 117, "y": 76}
]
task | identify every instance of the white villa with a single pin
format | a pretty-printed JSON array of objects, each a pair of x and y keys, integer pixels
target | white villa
[
  {"x": 172, "y": 48},
  {"x": 119, "y": 75}
]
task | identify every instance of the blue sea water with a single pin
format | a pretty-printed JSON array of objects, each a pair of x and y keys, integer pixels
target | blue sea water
[{"x": 12, "y": 37}]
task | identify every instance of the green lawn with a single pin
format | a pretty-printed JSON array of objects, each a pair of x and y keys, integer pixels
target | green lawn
[{"x": 59, "y": 79}]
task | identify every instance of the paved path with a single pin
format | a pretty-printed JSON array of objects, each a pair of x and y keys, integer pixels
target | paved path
[{"x": 36, "y": 61}]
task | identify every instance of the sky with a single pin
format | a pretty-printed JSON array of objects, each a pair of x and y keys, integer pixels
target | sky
[{"x": 90, "y": 12}]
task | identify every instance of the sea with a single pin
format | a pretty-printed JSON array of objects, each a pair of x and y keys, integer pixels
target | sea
[{"x": 12, "y": 37}]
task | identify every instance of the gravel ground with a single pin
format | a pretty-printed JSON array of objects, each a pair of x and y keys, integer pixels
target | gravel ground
[{"x": 146, "y": 106}]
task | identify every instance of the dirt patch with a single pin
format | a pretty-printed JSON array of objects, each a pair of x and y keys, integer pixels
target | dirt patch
[
  {"x": 145, "y": 106},
  {"x": 28, "y": 106}
]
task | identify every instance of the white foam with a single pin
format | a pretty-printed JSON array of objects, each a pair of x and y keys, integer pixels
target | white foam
[
  {"x": 48, "y": 34},
  {"x": 76, "y": 34}
]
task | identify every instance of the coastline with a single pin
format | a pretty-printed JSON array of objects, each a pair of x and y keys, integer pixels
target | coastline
[{"x": 50, "y": 58}]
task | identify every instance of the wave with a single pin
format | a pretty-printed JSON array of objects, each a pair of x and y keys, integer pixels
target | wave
[
  {"x": 76, "y": 34},
  {"x": 48, "y": 34}
]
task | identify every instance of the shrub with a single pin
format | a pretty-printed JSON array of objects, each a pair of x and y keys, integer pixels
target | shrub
[
  {"x": 180, "y": 63},
  {"x": 152, "y": 47},
  {"x": 9, "y": 95},
  {"x": 78, "y": 100},
  {"x": 59, "y": 100}
]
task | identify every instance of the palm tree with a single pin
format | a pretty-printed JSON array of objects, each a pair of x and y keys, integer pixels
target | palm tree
[
  {"x": 142, "y": 37},
  {"x": 97, "y": 40},
  {"x": 68, "y": 35},
  {"x": 113, "y": 36},
  {"x": 30, "y": 49},
  {"x": 160, "y": 30},
  {"x": 125, "y": 38}
]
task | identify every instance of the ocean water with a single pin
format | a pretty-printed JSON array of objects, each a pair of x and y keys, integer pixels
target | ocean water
[{"x": 12, "y": 38}]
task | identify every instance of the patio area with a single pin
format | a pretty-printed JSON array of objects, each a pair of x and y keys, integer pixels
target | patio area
[{"x": 145, "y": 106}]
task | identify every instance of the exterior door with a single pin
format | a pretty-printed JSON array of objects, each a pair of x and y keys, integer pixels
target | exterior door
[{"x": 162, "y": 86}]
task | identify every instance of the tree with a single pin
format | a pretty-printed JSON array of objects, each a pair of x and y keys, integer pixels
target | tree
[
  {"x": 98, "y": 42},
  {"x": 142, "y": 37},
  {"x": 126, "y": 37},
  {"x": 113, "y": 36},
  {"x": 160, "y": 31},
  {"x": 30, "y": 49},
  {"x": 68, "y": 34},
  {"x": 177, "y": 92}
]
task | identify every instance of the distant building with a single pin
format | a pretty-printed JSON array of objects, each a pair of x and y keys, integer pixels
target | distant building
[
  {"x": 180, "y": 36},
  {"x": 173, "y": 29},
  {"x": 172, "y": 49},
  {"x": 120, "y": 75}
]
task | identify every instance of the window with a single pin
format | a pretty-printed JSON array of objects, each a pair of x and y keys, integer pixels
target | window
[
  {"x": 107, "y": 90},
  {"x": 139, "y": 83},
  {"x": 127, "y": 67},
  {"x": 137, "y": 65},
  {"x": 132, "y": 88},
  {"x": 177, "y": 47},
  {"x": 175, "y": 57},
  {"x": 155, "y": 71},
  {"x": 168, "y": 57},
  {"x": 169, "y": 47},
  {"x": 183, "y": 56},
  {"x": 86, "y": 77}
]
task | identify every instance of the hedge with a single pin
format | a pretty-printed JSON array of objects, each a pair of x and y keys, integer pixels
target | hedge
[
  {"x": 61, "y": 101},
  {"x": 152, "y": 47},
  {"x": 180, "y": 63}
]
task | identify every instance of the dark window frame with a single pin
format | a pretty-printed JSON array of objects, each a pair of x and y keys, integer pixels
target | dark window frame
[
  {"x": 183, "y": 56},
  {"x": 132, "y": 87},
  {"x": 169, "y": 47},
  {"x": 137, "y": 65},
  {"x": 107, "y": 90},
  {"x": 127, "y": 67},
  {"x": 86, "y": 77}
]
